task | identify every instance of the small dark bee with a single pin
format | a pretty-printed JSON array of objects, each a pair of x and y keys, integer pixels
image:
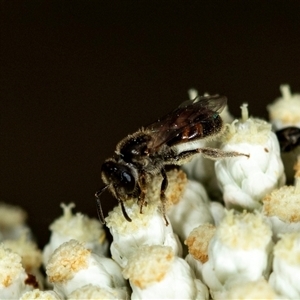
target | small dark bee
[
  {"x": 289, "y": 138},
  {"x": 148, "y": 151}
]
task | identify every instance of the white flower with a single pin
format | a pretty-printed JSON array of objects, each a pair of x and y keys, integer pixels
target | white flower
[
  {"x": 30, "y": 254},
  {"x": 259, "y": 289},
  {"x": 93, "y": 292},
  {"x": 72, "y": 266},
  {"x": 246, "y": 180},
  {"x": 148, "y": 227},
  {"x": 285, "y": 111},
  {"x": 239, "y": 251},
  {"x": 154, "y": 272},
  {"x": 79, "y": 227},
  {"x": 12, "y": 222},
  {"x": 282, "y": 207},
  {"x": 286, "y": 266},
  {"x": 13, "y": 279},
  {"x": 192, "y": 210},
  {"x": 40, "y": 295},
  {"x": 197, "y": 243}
]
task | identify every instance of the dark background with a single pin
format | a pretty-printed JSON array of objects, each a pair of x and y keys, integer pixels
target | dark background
[{"x": 78, "y": 76}]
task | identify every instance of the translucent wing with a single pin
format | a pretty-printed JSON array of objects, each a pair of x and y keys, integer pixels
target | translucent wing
[{"x": 193, "y": 119}]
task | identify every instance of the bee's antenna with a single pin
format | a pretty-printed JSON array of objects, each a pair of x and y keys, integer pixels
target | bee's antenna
[{"x": 98, "y": 203}]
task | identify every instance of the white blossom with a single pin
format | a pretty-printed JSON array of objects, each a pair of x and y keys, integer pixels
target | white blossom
[
  {"x": 14, "y": 281},
  {"x": 282, "y": 207},
  {"x": 72, "y": 266},
  {"x": 30, "y": 254},
  {"x": 79, "y": 227},
  {"x": 148, "y": 227},
  {"x": 246, "y": 180},
  {"x": 192, "y": 210},
  {"x": 13, "y": 222},
  {"x": 259, "y": 289},
  {"x": 92, "y": 292},
  {"x": 239, "y": 251},
  {"x": 286, "y": 266},
  {"x": 40, "y": 295},
  {"x": 154, "y": 272},
  {"x": 285, "y": 111},
  {"x": 197, "y": 243}
]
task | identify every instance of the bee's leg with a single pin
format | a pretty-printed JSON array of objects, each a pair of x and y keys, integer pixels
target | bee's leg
[
  {"x": 211, "y": 153},
  {"x": 124, "y": 211},
  {"x": 98, "y": 203},
  {"x": 164, "y": 185},
  {"x": 143, "y": 188}
]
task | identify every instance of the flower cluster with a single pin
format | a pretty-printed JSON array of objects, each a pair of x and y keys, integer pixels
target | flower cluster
[{"x": 233, "y": 230}]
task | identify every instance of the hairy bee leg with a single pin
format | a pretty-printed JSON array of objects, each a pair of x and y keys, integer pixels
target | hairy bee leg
[
  {"x": 217, "y": 153},
  {"x": 99, "y": 206},
  {"x": 124, "y": 211},
  {"x": 211, "y": 153},
  {"x": 100, "y": 211},
  {"x": 142, "y": 184},
  {"x": 163, "y": 188}
]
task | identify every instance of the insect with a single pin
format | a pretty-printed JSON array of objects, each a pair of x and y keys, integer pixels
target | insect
[
  {"x": 147, "y": 152},
  {"x": 289, "y": 138}
]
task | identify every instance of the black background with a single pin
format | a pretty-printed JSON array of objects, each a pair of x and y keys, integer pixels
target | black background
[{"x": 78, "y": 76}]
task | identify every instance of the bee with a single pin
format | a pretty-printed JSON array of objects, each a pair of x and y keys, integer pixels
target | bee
[
  {"x": 147, "y": 152},
  {"x": 289, "y": 138}
]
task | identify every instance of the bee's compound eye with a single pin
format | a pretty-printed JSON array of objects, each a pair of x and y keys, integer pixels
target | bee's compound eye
[
  {"x": 119, "y": 175},
  {"x": 127, "y": 181}
]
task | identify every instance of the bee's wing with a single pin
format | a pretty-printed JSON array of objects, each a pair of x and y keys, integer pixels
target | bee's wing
[{"x": 167, "y": 130}]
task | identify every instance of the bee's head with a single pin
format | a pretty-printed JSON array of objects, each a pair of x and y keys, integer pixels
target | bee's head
[{"x": 120, "y": 177}]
